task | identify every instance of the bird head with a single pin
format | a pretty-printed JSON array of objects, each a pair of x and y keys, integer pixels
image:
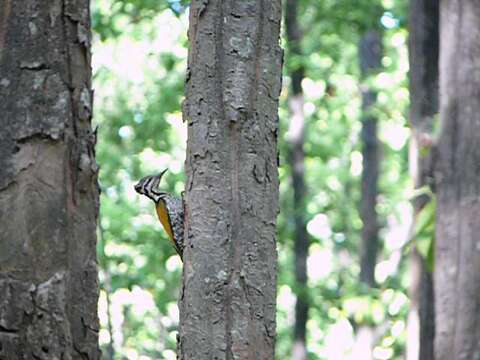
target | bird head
[{"x": 148, "y": 186}]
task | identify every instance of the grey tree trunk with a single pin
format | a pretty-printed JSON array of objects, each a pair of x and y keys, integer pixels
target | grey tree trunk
[
  {"x": 370, "y": 56},
  {"x": 48, "y": 187},
  {"x": 296, "y": 138},
  {"x": 370, "y": 52},
  {"x": 227, "y": 308},
  {"x": 423, "y": 54},
  {"x": 457, "y": 260}
]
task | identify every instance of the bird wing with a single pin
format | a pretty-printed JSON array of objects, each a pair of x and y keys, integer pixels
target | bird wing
[{"x": 162, "y": 214}]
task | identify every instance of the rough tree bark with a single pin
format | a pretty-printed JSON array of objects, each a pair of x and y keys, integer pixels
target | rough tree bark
[
  {"x": 227, "y": 309},
  {"x": 423, "y": 57},
  {"x": 457, "y": 174},
  {"x": 48, "y": 187},
  {"x": 295, "y": 139},
  {"x": 370, "y": 52}
]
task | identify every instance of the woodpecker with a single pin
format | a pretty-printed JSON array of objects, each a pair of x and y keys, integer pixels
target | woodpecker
[{"x": 169, "y": 209}]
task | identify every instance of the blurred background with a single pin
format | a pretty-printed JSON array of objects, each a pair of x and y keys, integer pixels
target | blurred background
[{"x": 139, "y": 60}]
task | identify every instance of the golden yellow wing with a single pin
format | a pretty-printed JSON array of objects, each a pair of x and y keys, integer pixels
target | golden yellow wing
[{"x": 163, "y": 217}]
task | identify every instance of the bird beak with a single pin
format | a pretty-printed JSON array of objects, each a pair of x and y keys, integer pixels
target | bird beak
[
  {"x": 157, "y": 179},
  {"x": 161, "y": 174},
  {"x": 138, "y": 187}
]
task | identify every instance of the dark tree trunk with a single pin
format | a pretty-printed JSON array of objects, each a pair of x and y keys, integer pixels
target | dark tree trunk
[
  {"x": 423, "y": 53},
  {"x": 370, "y": 52},
  {"x": 48, "y": 187},
  {"x": 227, "y": 309},
  {"x": 295, "y": 138},
  {"x": 421, "y": 321},
  {"x": 457, "y": 259},
  {"x": 370, "y": 56},
  {"x": 423, "y": 57}
]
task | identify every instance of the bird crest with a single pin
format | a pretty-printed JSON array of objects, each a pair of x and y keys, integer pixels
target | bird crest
[{"x": 148, "y": 186}]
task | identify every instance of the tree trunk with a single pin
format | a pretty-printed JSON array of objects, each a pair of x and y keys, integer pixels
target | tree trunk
[
  {"x": 227, "y": 309},
  {"x": 296, "y": 138},
  {"x": 420, "y": 322},
  {"x": 48, "y": 187},
  {"x": 370, "y": 56},
  {"x": 423, "y": 53},
  {"x": 457, "y": 259},
  {"x": 106, "y": 284},
  {"x": 370, "y": 53}
]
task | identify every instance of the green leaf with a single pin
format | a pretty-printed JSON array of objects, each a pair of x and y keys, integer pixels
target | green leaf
[
  {"x": 425, "y": 221},
  {"x": 430, "y": 260},
  {"x": 424, "y": 234}
]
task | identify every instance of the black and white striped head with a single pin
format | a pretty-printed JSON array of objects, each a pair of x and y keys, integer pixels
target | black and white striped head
[{"x": 148, "y": 186}]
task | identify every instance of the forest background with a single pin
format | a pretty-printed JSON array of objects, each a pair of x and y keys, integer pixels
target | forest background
[{"x": 139, "y": 59}]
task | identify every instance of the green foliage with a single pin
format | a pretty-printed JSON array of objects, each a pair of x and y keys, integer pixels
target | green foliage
[
  {"x": 133, "y": 102},
  {"x": 424, "y": 233},
  {"x": 110, "y": 18}
]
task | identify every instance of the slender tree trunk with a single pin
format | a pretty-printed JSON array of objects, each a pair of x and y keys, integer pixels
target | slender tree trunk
[
  {"x": 110, "y": 345},
  {"x": 423, "y": 53},
  {"x": 296, "y": 138},
  {"x": 421, "y": 322},
  {"x": 370, "y": 61},
  {"x": 370, "y": 56},
  {"x": 227, "y": 309},
  {"x": 48, "y": 187},
  {"x": 107, "y": 286},
  {"x": 457, "y": 260}
]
